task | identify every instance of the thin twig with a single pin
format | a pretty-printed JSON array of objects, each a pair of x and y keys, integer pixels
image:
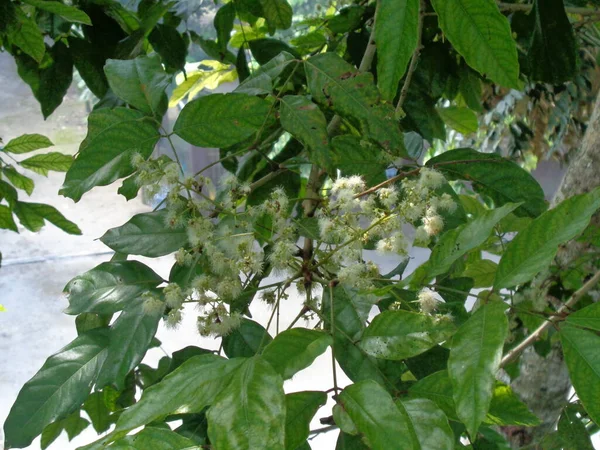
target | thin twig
[
  {"x": 415, "y": 58},
  {"x": 332, "y": 318},
  {"x": 560, "y": 314},
  {"x": 388, "y": 181}
]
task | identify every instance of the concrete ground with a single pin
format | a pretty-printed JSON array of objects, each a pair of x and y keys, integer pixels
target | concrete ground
[{"x": 36, "y": 266}]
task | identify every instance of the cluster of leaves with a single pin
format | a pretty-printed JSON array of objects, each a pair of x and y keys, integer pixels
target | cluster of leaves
[
  {"x": 31, "y": 215},
  {"x": 308, "y": 118}
]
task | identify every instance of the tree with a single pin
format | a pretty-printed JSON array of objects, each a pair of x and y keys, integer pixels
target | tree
[{"x": 307, "y": 137}]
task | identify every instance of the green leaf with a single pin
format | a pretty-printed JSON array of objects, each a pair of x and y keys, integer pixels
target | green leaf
[
  {"x": 482, "y": 272},
  {"x": 73, "y": 425},
  {"x": 221, "y": 120},
  {"x": 469, "y": 87},
  {"x": 507, "y": 409},
  {"x": 323, "y": 69},
  {"x": 156, "y": 439},
  {"x": 376, "y": 416},
  {"x": 399, "y": 335},
  {"x": 146, "y": 234},
  {"x": 481, "y": 34},
  {"x": 18, "y": 180},
  {"x": 295, "y": 349},
  {"x": 223, "y": 23},
  {"x": 534, "y": 248},
  {"x": 130, "y": 336},
  {"x": 6, "y": 219},
  {"x": 428, "y": 423},
  {"x": 26, "y": 35},
  {"x": 305, "y": 121},
  {"x": 588, "y": 317},
  {"x": 60, "y": 386},
  {"x": 474, "y": 360},
  {"x": 41, "y": 164},
  {"x": 572, "y": 432},
  {"x": 88, "y": 321},
  {"x": 460, "y": 119},
  {"x": 250, "y": 412},
  {"x": 552, "y": 52},
  {"x": 300, "y": 408},
  {"x": 189, "y": 389},
  {"x": 99, "y": 414},
  {"x": 109, "y": 287},
  {"x": 194, "y": 427},
  {"x": 89, "y": 61},
  {"x": 129, "y": 188},
  {"x": 265, "y": 49},
  {"x": 8, "y": 193},
  {"x": 141, "y": 82},
  {"x": 69, "y": 13},
  {"x": 170, "y": 45},
  {"x": 246, "y": 340},
  {"x": 347, "y": 19},
  {"x": 580, "y": 348},
  {"x": 436, "y": 387},
  {"x": 114, "y": 135},
  {"x": 461, "y": 240},
  {"x": 353, "y": 156},
  {"x": 351, "y": 309},
  {"x": 348, "y": 442},
  {"x": 278, "y": 13},
  {"x": 27, "y": 143},
  {"x": 396, "y": 36},
  {"x": 32, "y": 216},
  {"x": 492, "y": 175}
]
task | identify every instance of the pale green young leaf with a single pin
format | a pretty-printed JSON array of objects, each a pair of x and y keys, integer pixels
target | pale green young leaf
[
  {"x": 481, "y": 34},
  {"x": 26, "y": 35},
  {"x": 221, "y": 120},
  {"x": 295, "y": 349},
  {"x": 141, "y": 82},
  {"x": 475, "y": 354},
  {"x": 18, "y": 180},
  {"x": 6, "y": 219},
  {"x": 534, "y": 248},
  {"x": 300, "y": 409},
  {"x": 399, "y": 335},
  {"x": 250, "y": 412},
  {"x": 427, "y": 423},
  {"x": 59, "y": 387},
  {"x": 396, "y": 36},
  {"x": 114, "y": 136},
  {"x": 33, "y": 215},
  {"x": 109, "y": 287},
  {"x": 27, "y": 143},
  {"x": 507, "y": 409},
  {"x": 376, "y": 416},
  {"x": 69, "y": 13},
  {"x": 147, "y": 234},
  {"x": 278, "y": 13},
  {"x": 58, "y": 162},
  {"x": 460, "y": 119}
]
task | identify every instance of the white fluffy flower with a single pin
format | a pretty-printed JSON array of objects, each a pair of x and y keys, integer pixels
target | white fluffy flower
[
  {"x": 430, "y": 178},
  {"x": 433, "y": 224},
  {"x": 428, "y": 300}
]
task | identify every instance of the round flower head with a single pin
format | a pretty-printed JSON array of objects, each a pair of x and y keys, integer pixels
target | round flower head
[
  {"x": 430, "y": 178},
  {"x": 428, "y": 301},
  {"x": 433, "y": 224}
]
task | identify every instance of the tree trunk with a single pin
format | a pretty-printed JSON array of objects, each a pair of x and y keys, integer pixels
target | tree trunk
[{"x": 543, "y": 383}]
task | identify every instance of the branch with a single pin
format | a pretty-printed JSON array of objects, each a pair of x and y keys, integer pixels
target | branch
[
  {"x": 258, "y": 183},
  {"x": 533, "y": 337}
]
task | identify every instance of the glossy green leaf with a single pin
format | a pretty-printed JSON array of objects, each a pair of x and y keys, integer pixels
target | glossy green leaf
[
  {"x": 250, "y": 413},
  {"x": 278, "y": 13},
  {"x": 572, "y": 431},
  {"x": 474, "y": 360},
  {"x": 26, "y": 35},
  {"x": 194, "y": 427},
  {"x": 580, "y": 348},
  {"x": 428, "y": 423},
  {"x": 534, "y": 248},
  {"x": 376, "y": 416},
  {"x": 588, "y": 317},
  {"x": 58, "y": 162},
  {"x": 552, "y": 52},
  {"x": 461, "y": 240},
  {"x": 343, "y": 420},
  {"x": 6, "y": 219},
  {"x": 60, "y": 386},
  {"x": 300, "y": 408},
  {"x": 246, "y": 340},
  {"x": 18, "y": 180},
  {"x": 170, "y": 45},
  {"x": 130, "y": 336},
  {"x": 146, "y": 234},
  {"x": 188, "y": 389},
  {"x": 460, "y": 119},
  {"x": 69, "y": 13},
  {"x": 295, "y": 349},
  {"x": 396, "y": 36},
  {"x": 436, "y": 387},
  {"x": 305, "y": 121},
  {"x": 141, "y": 82},
  {"x": 109, "y": 287},
  {"x": 507, "y": 409},
  {"x": 114, "y": 135},
  {"x": 490, "y": 174},
  {"x": 481, "y": 34},
  {"x": 399, "y": 334},
  {"x": 98, "y": 412},
  {"x": 27, "y": 143},
  {"x": 482, "y": 272},
  {"x": 221, "y": 120},
  {"x": 156, "y": 439},
  {"x": 33, "y": 215}
]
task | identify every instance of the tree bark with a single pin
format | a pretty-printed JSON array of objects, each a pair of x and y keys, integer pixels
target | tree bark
[{"x": 543, "y": 383}]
